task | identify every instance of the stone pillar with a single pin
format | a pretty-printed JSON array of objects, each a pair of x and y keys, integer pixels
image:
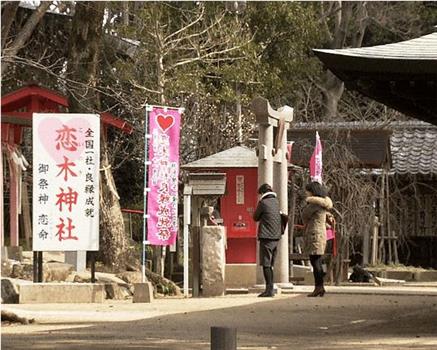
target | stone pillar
[
  {"x": 265, "y": 175},
  {"x": 280, "y": 186},
  {"x": 213, "y": 261}
]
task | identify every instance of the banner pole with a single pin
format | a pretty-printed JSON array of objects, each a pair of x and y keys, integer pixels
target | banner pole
[{"x": 146, "y": 161}]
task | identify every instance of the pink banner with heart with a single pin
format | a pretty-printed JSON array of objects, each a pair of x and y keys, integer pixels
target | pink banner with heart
[{"x": 163, "y": 174}]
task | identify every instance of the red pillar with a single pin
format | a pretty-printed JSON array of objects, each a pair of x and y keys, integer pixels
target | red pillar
[{"x": 2, "y": 224}]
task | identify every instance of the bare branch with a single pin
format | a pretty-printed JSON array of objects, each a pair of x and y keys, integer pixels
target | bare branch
[{"x": 26, "y": 32}]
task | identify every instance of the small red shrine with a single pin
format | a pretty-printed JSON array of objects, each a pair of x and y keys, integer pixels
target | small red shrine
[
  {"x": 17, "y": 109},
  {"x": 240, "y": 164}
]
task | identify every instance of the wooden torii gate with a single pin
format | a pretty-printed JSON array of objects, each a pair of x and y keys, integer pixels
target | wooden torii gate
[{"x": 272, "y": 169}]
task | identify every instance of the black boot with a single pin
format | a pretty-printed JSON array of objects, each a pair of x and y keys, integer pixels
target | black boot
[
  {"x": 268, "y": 276},
  {"x": 319, "y": 291}
]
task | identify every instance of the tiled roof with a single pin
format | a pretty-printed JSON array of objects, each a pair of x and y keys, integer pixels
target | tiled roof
[
  {"x": 237, "y": 157},
  {"x": 369, "y": 145},
  {"x": 423, "y": 48},
  {"x": 414, "y": 148},
  {"x": 400, "y": 75},
  {"x": 413, "y": 144}
]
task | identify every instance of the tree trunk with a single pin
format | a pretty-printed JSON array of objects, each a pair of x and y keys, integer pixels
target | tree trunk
[
  {"x": 83, "y": 63},
  {"x": 113, "y": 239},
  {"x": 8, "y": 16},
  {"x": 332, "y": 91},
  {"x": 333, "y": 87},
  {"x": 83, "y": 59},
  {"x": 24, "y": 33}
]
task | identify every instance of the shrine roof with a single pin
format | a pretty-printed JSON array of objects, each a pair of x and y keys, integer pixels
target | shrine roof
[
  {"x": 236, "y": 157},
  {"x": 16, "y": 107},
  {"x": 421, "y": 49},
  {"x": 411, "y": 144},
  {"x": 400, "y": 75}
]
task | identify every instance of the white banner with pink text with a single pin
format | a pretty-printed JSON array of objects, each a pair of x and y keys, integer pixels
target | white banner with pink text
[{"x": 66, "y": 159}]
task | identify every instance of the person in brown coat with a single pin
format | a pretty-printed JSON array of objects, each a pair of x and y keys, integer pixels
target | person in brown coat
[{"x": 314, "y": 219}]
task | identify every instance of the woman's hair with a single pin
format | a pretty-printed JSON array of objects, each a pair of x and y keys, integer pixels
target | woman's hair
[
  {"x": 316, "y": 189},
  {"x": 264, "y": 188}
]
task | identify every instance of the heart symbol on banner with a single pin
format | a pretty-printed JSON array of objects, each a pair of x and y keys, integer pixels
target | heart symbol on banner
[
  {"x": 165, "y": 122},
  {"x": 49, "y": 131}
]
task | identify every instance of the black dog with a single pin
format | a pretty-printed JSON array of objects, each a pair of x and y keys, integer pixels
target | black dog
[{"x": 359, "y": 274}]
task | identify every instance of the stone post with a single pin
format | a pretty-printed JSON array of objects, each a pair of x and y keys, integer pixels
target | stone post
[
  {"x": 267, "y": 118},
  {"x": 265, "y": 175},
  {"x": 213, "y": 261},
  {"x": 280, "y": 186}
]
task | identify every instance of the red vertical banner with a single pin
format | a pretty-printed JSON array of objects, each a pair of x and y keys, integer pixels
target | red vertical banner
[
  {"x": 316, "y": 161},
  {"x": 163, "y": 174}
]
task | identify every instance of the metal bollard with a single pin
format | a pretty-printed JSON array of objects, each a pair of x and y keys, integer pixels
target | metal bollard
[{"x": 223, "y": 338}]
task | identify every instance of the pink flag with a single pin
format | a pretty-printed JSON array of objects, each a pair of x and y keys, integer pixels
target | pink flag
[
  {"x": 316, "y": 161},
  {"x": 289, "y": 150},
  {"x": 162, "y": 200}
]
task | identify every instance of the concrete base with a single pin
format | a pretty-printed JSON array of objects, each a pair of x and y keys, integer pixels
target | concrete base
[
  {"x": 304, "y": 273},
  {"x": 143, "y": 292},
  {"x": 44, "y": 293},
  {"x": 240, "y": 275},
  {"x": 425, "y": 276},
  {"x": 285, "y": 286},
  {"x": 257, "y": 289},
  {"x": 14, "y": 253},
  {"x": 409, "y": 276}
]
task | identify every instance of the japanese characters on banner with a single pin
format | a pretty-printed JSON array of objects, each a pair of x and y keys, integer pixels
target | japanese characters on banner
[
  {"x": 162, "y": 200},
  {"x": 239, "y": 190},
  {"x": 66, "y": 158},
  {"x": 316, "y": 161}
]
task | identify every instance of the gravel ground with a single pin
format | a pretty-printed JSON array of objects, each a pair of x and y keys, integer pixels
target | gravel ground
[{"x": 337, "y": 321}]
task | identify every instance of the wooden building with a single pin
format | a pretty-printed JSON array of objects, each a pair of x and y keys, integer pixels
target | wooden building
[
  {"x": 407, "y": 151},
  {"x": 402, "y": 76}
]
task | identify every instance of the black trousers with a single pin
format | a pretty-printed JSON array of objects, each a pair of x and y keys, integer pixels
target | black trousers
[{"x": 316, "y": 263}]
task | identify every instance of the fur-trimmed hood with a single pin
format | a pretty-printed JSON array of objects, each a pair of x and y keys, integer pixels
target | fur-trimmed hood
[
  {"x": 273, "y": 194},
  {"x": 324, "y": 202}
]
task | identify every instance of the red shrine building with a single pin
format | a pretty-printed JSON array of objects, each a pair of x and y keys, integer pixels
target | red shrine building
[{"x": 236, "y": 206}]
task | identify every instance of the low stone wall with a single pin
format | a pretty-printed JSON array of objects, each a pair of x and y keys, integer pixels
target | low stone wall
[
  {"x": 406, "y": 275},
  {"x": 42, "y": 293},
  {"x": 240, "y": 275}
]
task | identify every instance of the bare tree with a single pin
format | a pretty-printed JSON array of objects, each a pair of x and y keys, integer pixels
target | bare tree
[
  {"x": 11, "y": 48},
  {"x": 83, "y": 66},
  {"x": 348, "y": 29}
]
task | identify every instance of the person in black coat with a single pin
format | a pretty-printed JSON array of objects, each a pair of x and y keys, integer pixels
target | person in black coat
[{"x": 269, "y": 233}]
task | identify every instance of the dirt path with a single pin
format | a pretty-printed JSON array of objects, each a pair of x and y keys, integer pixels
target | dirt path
[{"x": 286, "y": 322}]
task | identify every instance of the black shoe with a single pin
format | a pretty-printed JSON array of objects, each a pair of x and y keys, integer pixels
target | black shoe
[
  {"x": 269, "y": 292},
  {"x": 322, "y": 292},
  {"x": 318, "y": 291}
]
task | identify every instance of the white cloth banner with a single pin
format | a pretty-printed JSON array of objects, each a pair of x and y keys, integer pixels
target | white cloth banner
[{"x": 66, "y": 159}]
